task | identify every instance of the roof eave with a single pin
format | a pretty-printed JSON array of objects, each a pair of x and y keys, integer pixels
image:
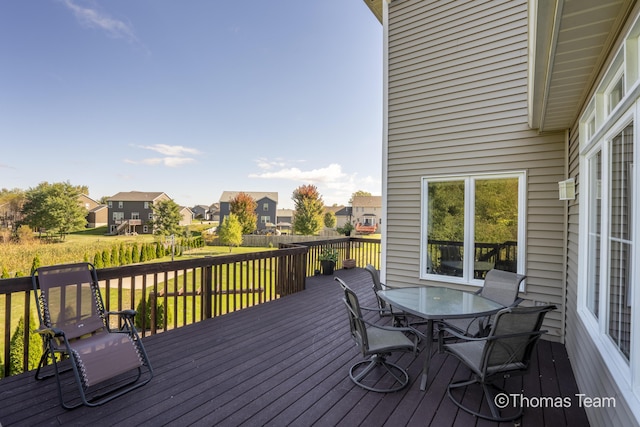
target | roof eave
[{"x": 376, "y": 8}]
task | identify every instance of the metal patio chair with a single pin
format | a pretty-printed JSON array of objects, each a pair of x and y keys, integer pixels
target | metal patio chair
[
  {"x": 384, "y": 310},
  {"x": 499, "y": 286},
  {"x": 105, "y": 363},
  {"x": 506, "y": 351},
  {"x": 376, "y": 343}
]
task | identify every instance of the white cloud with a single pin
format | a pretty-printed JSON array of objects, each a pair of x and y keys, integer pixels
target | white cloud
[
  {"x": 331, "y": 173},
  {"x": 335, "y": 185},
  {"x": 174, "y": 155},
  {"x": 170, "y": 150},
  {"x": 93, "y": 18}
]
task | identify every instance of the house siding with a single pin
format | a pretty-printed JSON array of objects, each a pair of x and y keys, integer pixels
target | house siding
[
  {"x": 457, "y": 104},
  {"x": 586, "y": 358}
]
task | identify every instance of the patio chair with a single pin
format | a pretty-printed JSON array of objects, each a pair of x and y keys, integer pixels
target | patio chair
[
  {"x": 384, "y": 310},
  {"x": 105, "y": 362},
  {"x": 499, "y": 286},
  {"x": 505, "y": 352},
  {"x": 376, "y": 343}
]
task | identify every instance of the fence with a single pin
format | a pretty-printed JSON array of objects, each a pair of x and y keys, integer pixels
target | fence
[{"x": 168, "y": 295}]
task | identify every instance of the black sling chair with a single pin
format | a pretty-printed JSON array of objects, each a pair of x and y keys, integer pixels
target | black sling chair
[{"x": 105, "y": 362}]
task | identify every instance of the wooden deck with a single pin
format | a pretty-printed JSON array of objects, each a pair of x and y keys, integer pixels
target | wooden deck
[{"x": 285, "y": 363}]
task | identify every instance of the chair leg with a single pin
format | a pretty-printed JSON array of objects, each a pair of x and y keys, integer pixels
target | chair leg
[
  {"x": 496, "y": 413},
  {"x": 360, "y": 372}
]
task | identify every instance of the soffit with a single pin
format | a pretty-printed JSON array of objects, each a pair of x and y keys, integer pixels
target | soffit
[
  {"x": 569, "y": 41},
  {"x": 376, "y": 8}
]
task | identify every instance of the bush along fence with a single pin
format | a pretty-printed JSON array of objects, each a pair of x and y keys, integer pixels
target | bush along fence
[{"x": 121, "y": 254}]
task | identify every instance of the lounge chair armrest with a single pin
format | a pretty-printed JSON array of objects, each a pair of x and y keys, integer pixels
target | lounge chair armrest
[
  {"x": 52, "y": 332},
  {"x": 124, "y": 313}
]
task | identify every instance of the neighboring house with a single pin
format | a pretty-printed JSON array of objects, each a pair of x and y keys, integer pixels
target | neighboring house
[
  {"x": 344, "y": 215},
  {"x": 130, "y": 212},
  {"x": 518, "y": 97},
  {"x": 97, "y": 214},
  {"x": 213, "y": 214},
  {"x": 367, "y": 213},
  {"x": 284, "y": 220},
  {"x": 267, "y": 204},
  {"x": 187, "y": 215},
  {"x": 200, "y": 211}
]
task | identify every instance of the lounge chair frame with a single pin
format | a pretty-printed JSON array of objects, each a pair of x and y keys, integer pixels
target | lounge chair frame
[{"x": 106, "y": 363}]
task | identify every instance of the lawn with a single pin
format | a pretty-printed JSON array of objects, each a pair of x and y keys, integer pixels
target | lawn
[{"x": 80, "y": 246}]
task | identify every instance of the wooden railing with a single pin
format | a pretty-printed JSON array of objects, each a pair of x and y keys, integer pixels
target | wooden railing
[{"x": 169, "y": 295}]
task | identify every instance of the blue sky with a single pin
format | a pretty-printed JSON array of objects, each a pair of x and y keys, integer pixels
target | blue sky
[{"x": 191, "y": 97}]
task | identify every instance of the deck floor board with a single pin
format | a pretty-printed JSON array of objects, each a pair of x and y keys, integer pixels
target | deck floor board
[{"x": 285, "y": 363}]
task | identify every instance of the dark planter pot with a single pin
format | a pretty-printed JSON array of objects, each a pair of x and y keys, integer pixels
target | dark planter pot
[{"x": 327, "y": 267}]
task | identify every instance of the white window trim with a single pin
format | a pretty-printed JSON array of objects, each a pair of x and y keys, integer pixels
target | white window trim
[
  {"x": 467, "y": 278},
  {"x": 626, "y": 375}
]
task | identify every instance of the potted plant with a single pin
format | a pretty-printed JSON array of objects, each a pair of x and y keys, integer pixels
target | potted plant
[
  {"x": 328, "y": 258},
  {"x": 346, "y": 229}
]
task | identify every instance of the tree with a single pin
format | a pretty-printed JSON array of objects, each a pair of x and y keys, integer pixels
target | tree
[
  {"x": 166, "y": 218},
  {"x": 243, "y": 206},
  {"x": 54, "y": 207},
  {"x": 12, "y": 201},
  {"x": 308, "y": 217},
  {"x": 230, "y": 232},
  {"x": 330, "y": 219},
  {"x": 358, "y": 194}
]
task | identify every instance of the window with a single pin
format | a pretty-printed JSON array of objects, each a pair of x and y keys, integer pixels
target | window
[
  {"x": 146, "y": 205},
  {"x": 265, "y": 219},
  {"x": 135, "y": 215},
  {"x": 265, "y": 207},
  {"x": 609, "y": 168},
  {"x": 608, "y": 258},
  {"x": 110, "y": 203},
  {"x": 472, "y": 224},
  {"x": 150, "y": 215},
  {"x": 120, "y": 205},
  {"x": 118, "y": 216}
]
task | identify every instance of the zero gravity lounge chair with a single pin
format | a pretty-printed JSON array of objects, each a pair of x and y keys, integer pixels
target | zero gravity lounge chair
[{"x": 105, "y": 363}]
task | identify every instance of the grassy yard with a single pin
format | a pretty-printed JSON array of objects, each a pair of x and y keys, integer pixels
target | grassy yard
[{"x": 81, "y": 246}]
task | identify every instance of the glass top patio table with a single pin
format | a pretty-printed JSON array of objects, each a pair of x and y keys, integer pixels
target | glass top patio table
[{"x": 437, "y": 303}]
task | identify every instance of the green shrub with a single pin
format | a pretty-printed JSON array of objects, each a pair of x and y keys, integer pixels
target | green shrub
[
  {"x": 160, "y": 313},
  {"x": 16, "y": 350},
  {"x": 97, "y": 260},
  {"x": 135, "y": 254}
]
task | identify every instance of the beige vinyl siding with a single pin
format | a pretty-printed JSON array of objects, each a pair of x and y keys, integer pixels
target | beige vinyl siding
[{"x": 457, "y": 104}]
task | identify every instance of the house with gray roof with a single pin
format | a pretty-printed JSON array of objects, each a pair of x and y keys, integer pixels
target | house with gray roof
[{"x": 266, "y": 209}]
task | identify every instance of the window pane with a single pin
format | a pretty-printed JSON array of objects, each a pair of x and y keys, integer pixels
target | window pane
[
  {"x": 595, "y": 222},
  {"x": 620, "y": 198},
  {"x": 445, "y": 228},
  {"x": 615, "y": 96},
  {"x": 496, "y": 225}
]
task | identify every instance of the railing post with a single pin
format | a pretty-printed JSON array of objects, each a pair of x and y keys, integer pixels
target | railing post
[
  {"x": 207, "y": 284},
  {"x": 153, "y": 303}
]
